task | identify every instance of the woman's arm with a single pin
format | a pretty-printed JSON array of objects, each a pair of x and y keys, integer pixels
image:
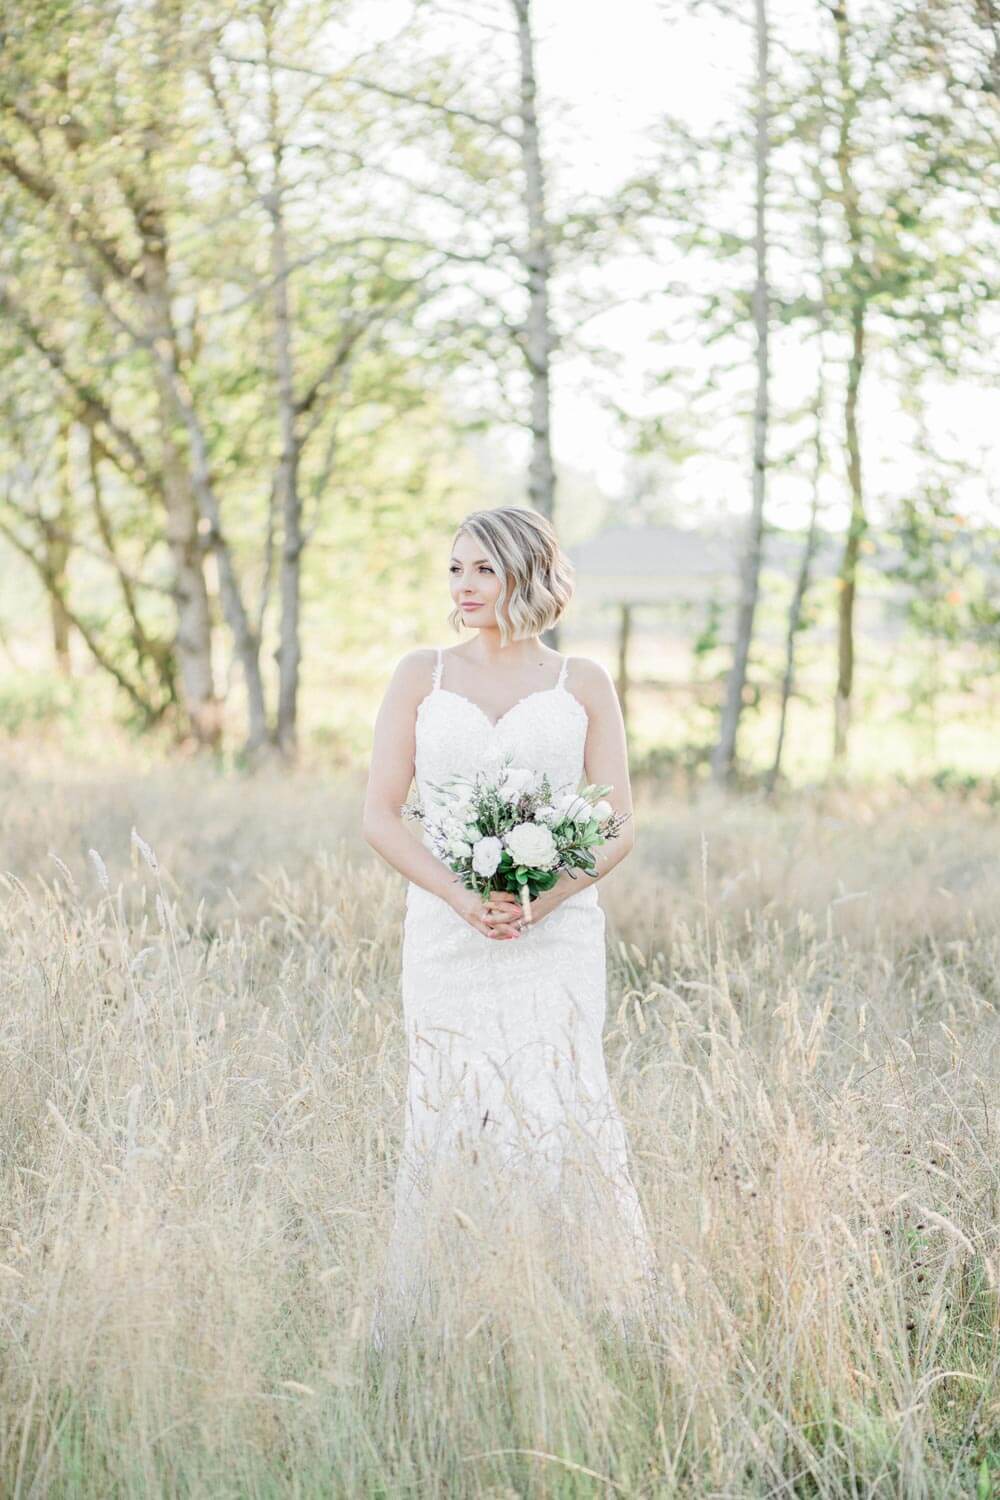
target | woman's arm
[
  {"x": 390, "y": 776},
  {"x": 605, "y": 763}
]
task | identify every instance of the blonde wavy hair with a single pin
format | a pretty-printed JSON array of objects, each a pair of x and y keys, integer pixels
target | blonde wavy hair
[{"x": 536, "y": 577}]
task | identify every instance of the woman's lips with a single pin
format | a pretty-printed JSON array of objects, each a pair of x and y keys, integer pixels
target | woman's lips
[{"x": 472, "y": 606}]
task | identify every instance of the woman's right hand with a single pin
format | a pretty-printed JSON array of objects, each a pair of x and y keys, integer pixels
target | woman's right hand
[{"x": 502, "y": 926}]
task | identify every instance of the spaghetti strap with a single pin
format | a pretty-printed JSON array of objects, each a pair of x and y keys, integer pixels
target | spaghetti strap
[
  {"x": 562, "y": 672},
  {"x": 437, "y": 670}
]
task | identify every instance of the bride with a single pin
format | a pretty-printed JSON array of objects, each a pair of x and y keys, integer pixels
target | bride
[{"x": 508, "y": 1105}]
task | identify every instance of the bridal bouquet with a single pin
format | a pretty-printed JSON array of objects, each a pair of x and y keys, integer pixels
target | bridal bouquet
[{"x": 508, "y": 830}]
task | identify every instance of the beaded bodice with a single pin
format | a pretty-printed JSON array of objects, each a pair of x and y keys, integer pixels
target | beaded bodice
[{"x": 544, "y": 731}]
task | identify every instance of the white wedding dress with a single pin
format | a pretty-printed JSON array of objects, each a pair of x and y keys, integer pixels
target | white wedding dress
[{"x": 507, "y": 1082}]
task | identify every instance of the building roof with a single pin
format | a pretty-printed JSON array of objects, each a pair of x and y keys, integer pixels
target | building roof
[{"x": 653, "y": 564}]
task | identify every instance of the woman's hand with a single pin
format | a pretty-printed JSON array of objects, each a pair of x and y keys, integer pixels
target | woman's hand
[
  {"x": 505, "y": 915},
  {"x": 498, "y": 918},
  {"x": 505, "y": 912},
  {"x": 501, "y": 915}
]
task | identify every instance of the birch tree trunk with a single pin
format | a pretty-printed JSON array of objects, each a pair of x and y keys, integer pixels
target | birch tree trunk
[
  {"x": 287, "y": 494},
  {"x": 812, "y": 535},
  {"x": 193, "y": 639},
  {"x": 57, "y": 542},
  {"x": 857, "y": 524},
  {"x": 724, "y": 755},
  {"x": 538, "y": 341}
]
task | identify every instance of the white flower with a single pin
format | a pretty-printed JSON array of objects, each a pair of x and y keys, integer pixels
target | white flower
[
  {"x": 531, "y": 844},
  {"x": 602, "y": 811},
  {"x": 472, "y": 832},
  {"x": 458, "y": 849},
  {"x": 547, "y": 815},
  {"x": 573, "y": 809},
  {"x": 517, "y": 780},
  {"x": 486, "y": 855}
]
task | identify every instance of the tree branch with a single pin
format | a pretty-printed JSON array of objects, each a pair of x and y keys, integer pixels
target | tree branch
[{"x": 369, "y": 85}]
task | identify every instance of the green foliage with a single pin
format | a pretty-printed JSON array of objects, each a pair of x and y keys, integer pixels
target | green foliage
[
  {"x": 30, "y": 703},
  {"x": 953, "y": 569}
]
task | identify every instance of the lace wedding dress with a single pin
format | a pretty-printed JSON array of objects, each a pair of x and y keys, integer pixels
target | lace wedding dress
[{"x": 507, "y": 1087}]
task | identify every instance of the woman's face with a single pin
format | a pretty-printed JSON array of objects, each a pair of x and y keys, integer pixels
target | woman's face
[{"x": 475, "y": 585}]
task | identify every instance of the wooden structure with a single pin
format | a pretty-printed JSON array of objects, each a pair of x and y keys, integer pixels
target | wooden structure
[{"x": 624, "y": 568}]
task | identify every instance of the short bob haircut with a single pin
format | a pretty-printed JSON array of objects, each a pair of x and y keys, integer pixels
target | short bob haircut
[{"x": 536, "y": 577}]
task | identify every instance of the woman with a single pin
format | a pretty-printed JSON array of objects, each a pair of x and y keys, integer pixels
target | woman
[{"x": 507, "y": 1078}]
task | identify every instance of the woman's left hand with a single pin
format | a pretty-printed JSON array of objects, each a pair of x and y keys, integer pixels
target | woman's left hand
[
  {"x": 502, "y": 912},
  {"x": 505, "y": 914}
]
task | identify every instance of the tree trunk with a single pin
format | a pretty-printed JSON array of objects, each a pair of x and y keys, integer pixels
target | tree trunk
[
  {"x": 57, "y": 554},
  {"x": 287, "y": 494},
  {"x": 857, "y": 524},
  {"x": 198, "y": 476},
  {"x": 724, "y": 755},
  {"x": 847, "y": 593},
  {"x": 801, "y": 588},
  {"x": 624, "y": 637},
  {"x": 538, "y": 264},
  {"x": 538, "y": 340},
  {"x": 193, "y": 641},
  {"x": 246, "y": 642},
  {"x": 819, "y": 464}
]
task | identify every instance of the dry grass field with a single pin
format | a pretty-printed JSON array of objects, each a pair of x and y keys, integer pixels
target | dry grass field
[{"x": 202, "y": 1062}]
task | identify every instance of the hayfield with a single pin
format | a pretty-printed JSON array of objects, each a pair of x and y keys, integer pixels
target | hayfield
[{"x": 202, "y": 1062}]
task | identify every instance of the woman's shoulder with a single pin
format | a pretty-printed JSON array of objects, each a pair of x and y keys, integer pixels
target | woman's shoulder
[
  {"x": 419, "y": 656},
  {"x": 414, "y": 672},
  {"x": 587, "y": 674}
]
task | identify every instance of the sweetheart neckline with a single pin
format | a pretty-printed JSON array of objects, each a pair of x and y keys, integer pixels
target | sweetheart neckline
[{"x": 495, "y": 723}]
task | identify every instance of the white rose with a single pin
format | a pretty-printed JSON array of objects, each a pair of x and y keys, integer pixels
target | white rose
[
  {"x": 573, "y": 809},
  {"x": 531, "y": 844},
  {"x": 458, "y": 849},
  {"x": 517, "y": 781},
  {"x": 486, "y": 855},
  {"x": 602, "y": 811}
]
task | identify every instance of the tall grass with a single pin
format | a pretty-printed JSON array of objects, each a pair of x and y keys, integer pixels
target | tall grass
[{"x": 203, "y": 1070}]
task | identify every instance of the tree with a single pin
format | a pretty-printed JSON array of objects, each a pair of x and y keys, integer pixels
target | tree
[
  {"x": 882, "y": 120},
  {"x": 725, "y": 751},
  {"x": 913, "y": 145},
  {"x": 803, "y": 576},
  {"x": 181, "y": 192},
  {"x": 537, "y": 257}
]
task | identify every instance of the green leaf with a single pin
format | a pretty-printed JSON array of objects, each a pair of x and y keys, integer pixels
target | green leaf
[{"x": 984, "y": 1489}]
